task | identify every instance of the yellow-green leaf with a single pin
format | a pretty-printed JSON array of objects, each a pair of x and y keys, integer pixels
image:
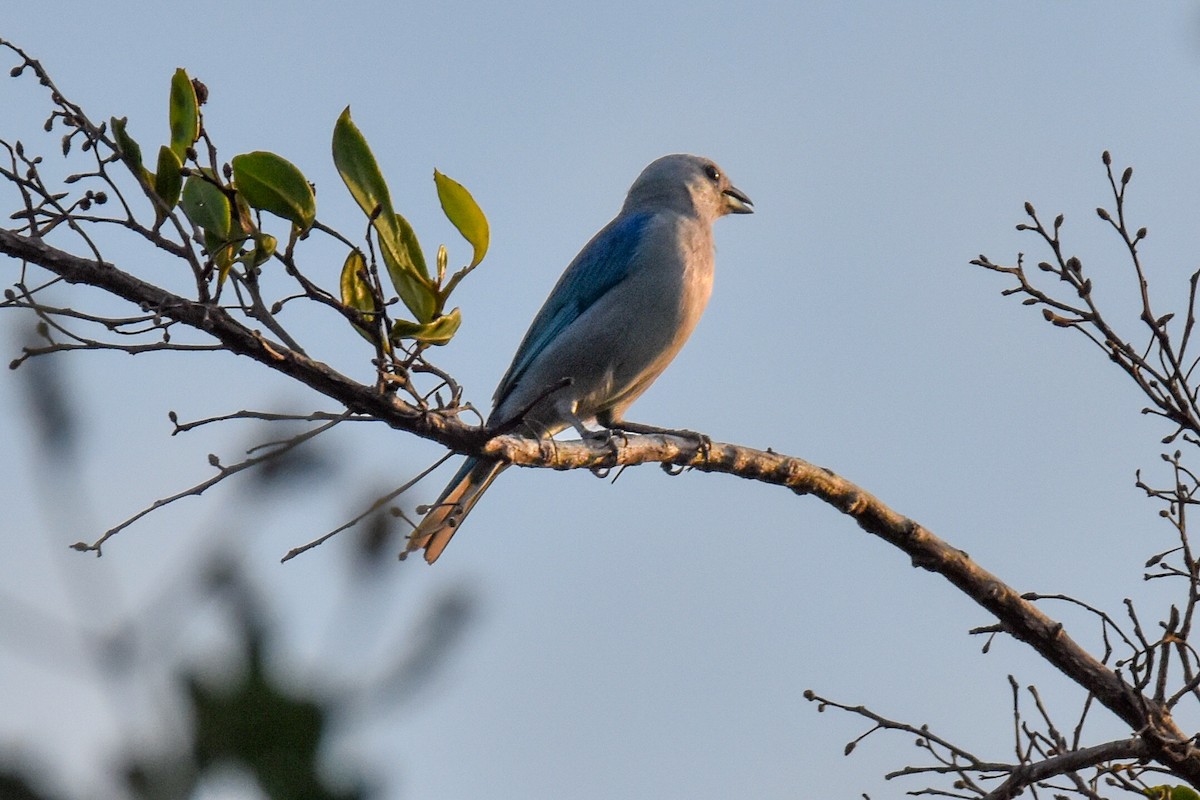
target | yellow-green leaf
[
  {"x": 206, "y": 206},
  {"x": 184, "y": 114},
  {"x": 264, "y": 248},
  {"x": 1167, "y": 792},
  {"x": 356, "y": 292},
  {"x": 439, "y": 331},
  {"x": 464, "y": 213},
  {"x": 167, "y": 179},
  {"x": 273, "y": 184},
  {"x": 443, "y": 259}
]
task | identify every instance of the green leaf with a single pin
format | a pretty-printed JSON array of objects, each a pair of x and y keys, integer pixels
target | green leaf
[
  {"x": 184, "y": 114},
  {"x": 130, "y": 151},
  {"x": 206, "y": 206},
  {"x": 273, "y": 184},
  {"x": 167, "y": 180},
  {"x": 358, "y": 168},
  {"x": 406, "y": 266},
  {"x": 397, "y": 242},
  {"x": 464, "y": 213},
  {"x": 438, "y": 332}
]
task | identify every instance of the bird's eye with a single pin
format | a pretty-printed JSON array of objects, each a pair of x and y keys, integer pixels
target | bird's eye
[{"x": 712, "y": 172}]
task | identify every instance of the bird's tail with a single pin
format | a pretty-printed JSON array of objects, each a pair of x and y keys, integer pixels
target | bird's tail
[{"x": 456, "y": 501}]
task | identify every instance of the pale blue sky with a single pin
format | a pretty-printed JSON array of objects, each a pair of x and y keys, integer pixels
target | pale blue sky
[{"x": 653, "y": 638}]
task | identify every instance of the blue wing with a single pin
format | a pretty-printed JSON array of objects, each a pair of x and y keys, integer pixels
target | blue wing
[{"x": 603, "y": 263}]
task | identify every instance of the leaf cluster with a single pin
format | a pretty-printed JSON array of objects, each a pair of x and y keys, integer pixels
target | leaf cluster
[{"x": 225, "y": 202}]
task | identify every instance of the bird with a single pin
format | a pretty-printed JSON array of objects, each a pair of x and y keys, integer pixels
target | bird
[{"x": 619, "y": 314}]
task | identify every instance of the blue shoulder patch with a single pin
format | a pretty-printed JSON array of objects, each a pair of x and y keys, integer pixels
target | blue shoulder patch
[{"x": 604, "y": 262}]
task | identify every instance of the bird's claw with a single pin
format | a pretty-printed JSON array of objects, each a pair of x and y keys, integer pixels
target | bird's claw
[{"x": 607, "y": 437}]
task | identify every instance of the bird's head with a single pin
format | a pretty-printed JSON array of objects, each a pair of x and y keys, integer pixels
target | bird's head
[{"x": 688, "y": 184}]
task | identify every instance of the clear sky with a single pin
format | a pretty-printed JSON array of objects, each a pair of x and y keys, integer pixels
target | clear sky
[{"x": 652, "y": 637}]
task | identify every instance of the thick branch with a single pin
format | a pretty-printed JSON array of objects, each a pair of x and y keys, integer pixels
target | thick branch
[
  {"x": 1073, "y": 761},
  {"x": 1021, "y": 618}
]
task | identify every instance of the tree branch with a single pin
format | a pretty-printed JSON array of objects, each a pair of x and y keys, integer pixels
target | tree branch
[{"x": 1150, "y": 720}]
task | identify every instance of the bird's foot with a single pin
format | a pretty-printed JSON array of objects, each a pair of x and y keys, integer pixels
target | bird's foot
[
  {"x": 607, "y": 437},
  {"x": 703, "y": 441}
]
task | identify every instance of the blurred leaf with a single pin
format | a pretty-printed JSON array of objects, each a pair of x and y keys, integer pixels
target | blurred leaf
[
  {"x": 184, "y": 114},
  {"x": 254, "y": 722},
  {"x": 462, "y": 210},
  {"x": 438, "y": 332},
  {"x": 167, "y": 180},
  {"x": 397, "y": 242},
  {"x": 206, "y": 206},
  {"x": 16, "y": 786},
  {"x": 273, "y": 184},
  {"x": 50, "y": 405}
]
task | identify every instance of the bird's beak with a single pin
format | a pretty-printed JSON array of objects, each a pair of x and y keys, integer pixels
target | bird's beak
[{"x": 736, "y": 201}]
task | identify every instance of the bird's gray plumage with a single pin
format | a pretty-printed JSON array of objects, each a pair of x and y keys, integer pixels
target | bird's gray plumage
[{"x": 618, "y": 315}]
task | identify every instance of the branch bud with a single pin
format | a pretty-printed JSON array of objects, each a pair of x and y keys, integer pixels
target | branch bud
[
  {"x": 1126, "y": 175},
  {"x": 1106, "y": 158},
  {"x": 1104, "y": 215},
  {"x": 1029, "y": 208}
]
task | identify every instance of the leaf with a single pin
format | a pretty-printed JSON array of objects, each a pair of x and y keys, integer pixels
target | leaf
[
  {"x": 356, "y": 292},
  {"x": 167, "y": 179},
  {"x": 224, "y": 254},
  {"x": 358, "y": 168},
  {"x": 397, "y": 242},
  {"x": 273, "y": 184},
  {"x": 1168, "y": 792},
  {"x": 464, "y": 213},
  {"x": 438, "y": 332},
  {"x": 130, "y": 151},
  {"x": 206, "y": 206},
  {"x": 184, "y": 114},
  {"x": 264, "y": 248},
  {"x": 406, "y": 266}
]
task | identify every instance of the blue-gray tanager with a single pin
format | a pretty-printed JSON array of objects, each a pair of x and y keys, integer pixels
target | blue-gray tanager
[{"x": 616, "y": 318}]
